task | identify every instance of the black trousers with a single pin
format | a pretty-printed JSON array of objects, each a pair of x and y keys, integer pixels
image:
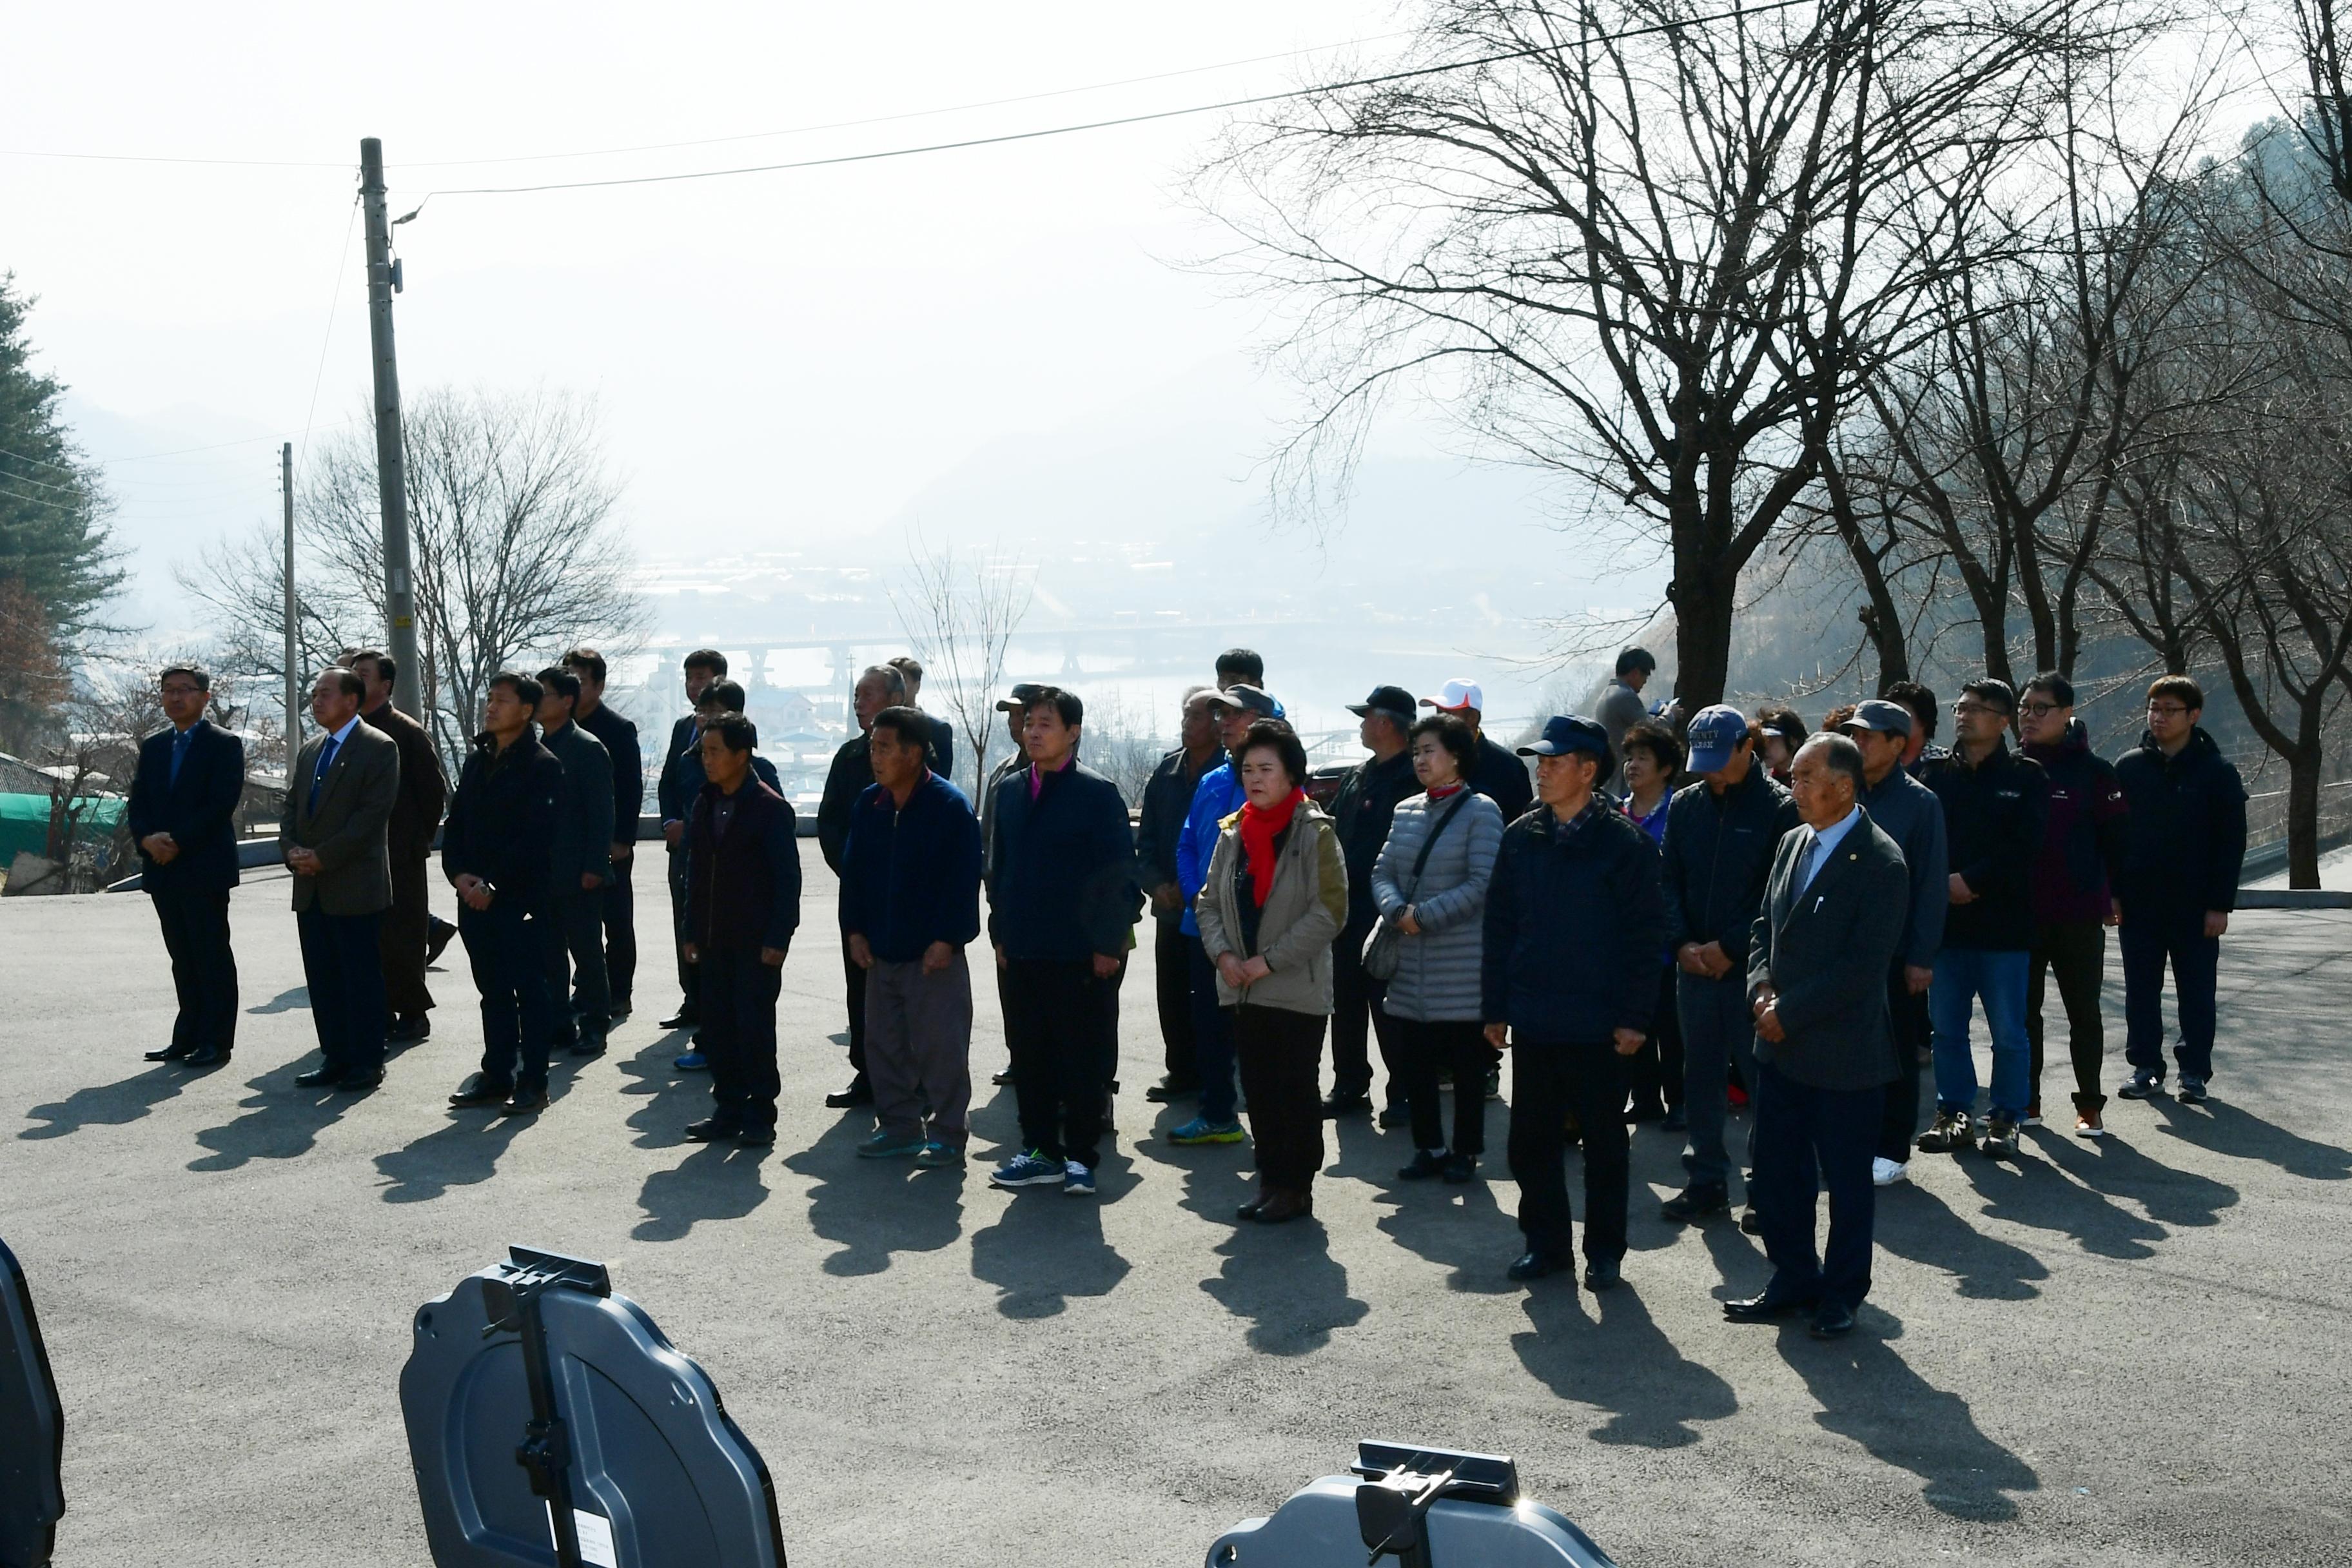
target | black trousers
[
  {"x": 854, "y": 983},
  {"x": 1172, "y": 981},
  {"x": 1055, "y": 1013},
  {"x": 572, "y": 932},
  {"x": 1658, "y": 1070},
  {"x": 203, "y": 966},
  {"x": 2152, "y": 939},
  {"x": 342, "y": 963},
  {"x": 400, "y": 941},
  {"x": 1281, "y": 1057},
  {"x": 620, "y": 901},
  {"x": 738, "y": 1034},
  {"x": 1548, "y": 1079},
  {"x": 1807, "y": 1139},
  {"x": 1418, "y": 1051},
  {"x": 2077, "y": 952},
  {"x": 1357, "y": 1018},
  {"x": 1908, "y": 1030},
  {"x": 688, "y": 979},
  {"x": 506, "y": 946}
]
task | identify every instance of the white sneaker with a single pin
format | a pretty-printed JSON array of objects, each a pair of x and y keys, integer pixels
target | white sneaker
[{"x": 1885, "y": 1173}]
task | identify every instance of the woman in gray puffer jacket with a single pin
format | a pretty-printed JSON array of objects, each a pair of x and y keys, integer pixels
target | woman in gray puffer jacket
[{"x": 1434, "y": 1001}]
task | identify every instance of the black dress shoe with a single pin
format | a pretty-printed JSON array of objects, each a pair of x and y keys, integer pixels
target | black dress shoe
[
  {"x": 361, "y": 1080},
  {"x": 209, "y": 1057},
  {"x": 710, "y": 1130},
  {"x": 408, "y": 1031},
  {"x": 1169, "y": 1090},
  {"x": 761, "y": 1137},
  {"x": 319, "y": 1077},
  {"x": 588, "y": 1045},
  {"x": 1750, "y": 1225},
  {"x": 528, "y": 1100},
  {"x": 1354, "y": 1103},
  {"x": 617, "y": 1015},
  {"x": 1426, "y": 1163},
  {"x": 1460, "y": 1169},
  {"x": 1694, "y": 1204},
  {"x": 684, "y": 1018},
  {"x": 481, "y": 1090},
  {"x": 170, "y": 1054},
  {"x": 1765, "y": 1308},
  {"x": 1001, "y": 1079},
  {"x": 859, "y": 1092},
  {"x": 1833, "y": 1319},
  {"x": 436, "y": 937},
  {"x": 1393, "y": 1116},
  {"x": 1603, "y": 1274},
  {"x": 1535, "y": 1265}
]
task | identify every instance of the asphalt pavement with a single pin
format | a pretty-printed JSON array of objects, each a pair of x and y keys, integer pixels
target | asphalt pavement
[{"x": 2131, "y": 1351}]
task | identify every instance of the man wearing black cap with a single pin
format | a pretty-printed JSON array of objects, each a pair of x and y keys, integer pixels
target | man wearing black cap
[
  {"x": 1574, "y": 921},
  {"x": 1362, "y": 811},
  {"x": 1621, "y": 706},
  {"x": 1167, "y": 797}
]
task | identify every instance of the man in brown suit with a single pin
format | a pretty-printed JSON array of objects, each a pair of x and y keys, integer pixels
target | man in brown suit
[
  {"x": 339, "y": 801},
  {"x": 415, "y": 817}
]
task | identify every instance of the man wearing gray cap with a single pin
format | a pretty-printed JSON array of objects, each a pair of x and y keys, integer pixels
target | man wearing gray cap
[
  {"x": 1720, "y": 836},
  {"x": 1907, "y": 811}
]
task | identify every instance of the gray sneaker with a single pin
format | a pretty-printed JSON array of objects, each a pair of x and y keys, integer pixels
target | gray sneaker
[
  {"x": 939, "y": 1156},
  {"x": 2191, "y": 1091},
  {"x": 885, "y": 1145},
  {"x": 1999, "y": 1139}
]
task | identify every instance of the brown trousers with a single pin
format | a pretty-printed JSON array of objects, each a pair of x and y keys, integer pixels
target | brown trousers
[{"x": 402, "y": 943}]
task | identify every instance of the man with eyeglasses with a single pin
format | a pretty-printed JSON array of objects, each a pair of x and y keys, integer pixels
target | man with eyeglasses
[
  {"x": 1993, "y": 808},
  {"x": 183, "y": 815},
  {"x": 2073, "y": 899},
  {"x": 2177, "y": 884}
]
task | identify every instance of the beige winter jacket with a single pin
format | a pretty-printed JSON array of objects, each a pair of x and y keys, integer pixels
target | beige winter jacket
[{"x": 1304, "y": 912}]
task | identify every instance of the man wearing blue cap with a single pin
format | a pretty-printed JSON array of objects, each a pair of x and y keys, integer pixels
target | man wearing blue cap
[
  {"x": 1569, "y": 983},
  {"x": 1720, "y": 836}
]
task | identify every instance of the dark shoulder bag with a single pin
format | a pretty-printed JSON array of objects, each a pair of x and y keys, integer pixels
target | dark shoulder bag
[{"x": 1383, "y": 948}]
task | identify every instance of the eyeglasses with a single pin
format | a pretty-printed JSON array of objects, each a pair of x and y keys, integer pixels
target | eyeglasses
[
  {"x": 181, "y": 690},
  {"x": 1965, "y": 709},
  {"x": 2166, "y": 710},
  {"x": 2038, "y": 708}
]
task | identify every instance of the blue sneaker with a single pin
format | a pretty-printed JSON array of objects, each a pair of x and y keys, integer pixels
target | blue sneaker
[
  {"x": 885, "y": 1145},
  {"x": 939, "y": 1156},
  {"x": 1201, "y": 1130},
  {"x": 2142, "y": 1085},
  {"x": 1078, "y": 1182},
  {"x": 692, "y": 1061},
  {"x": 1027, "y": 1169}
]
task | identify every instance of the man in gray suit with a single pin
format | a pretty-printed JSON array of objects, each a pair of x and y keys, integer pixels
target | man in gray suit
[
  {"x": 332, "y": 838},
  {"x": 1816, "y": 962}
]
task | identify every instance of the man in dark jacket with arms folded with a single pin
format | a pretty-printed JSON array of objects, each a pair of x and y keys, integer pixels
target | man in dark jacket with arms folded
[
  {"x": 1573, "y": 927},
  {"x": 1817, "y": 961},
  {"x": 851, "y": 775}
]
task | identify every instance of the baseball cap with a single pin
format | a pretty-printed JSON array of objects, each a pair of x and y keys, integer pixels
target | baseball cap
[
  {"x": 1715, "y": 735},
  {"x": 1393, "y": 700},
  {"x": 1566, "y": 732},
  {"x": 1023, "y": 695},
  {"x": 1877, "y": 714},
  {"x": 1457, "y": 695},
  {"x": 1247, "y": 697}
]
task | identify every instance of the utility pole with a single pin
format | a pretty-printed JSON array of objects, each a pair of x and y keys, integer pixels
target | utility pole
[
  {"x": 293, "y": 713},
  {"x": 391, "y": 477}
]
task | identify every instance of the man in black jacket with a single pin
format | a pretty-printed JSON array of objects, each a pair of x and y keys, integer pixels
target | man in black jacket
[
  {"x": 673, "y": 801},
  {"x": 1167, "y": 797},
  {"x": 1830, "y": 926},
  {"x": 620, "y": 741},
  {"x": 851, "y": 775},
  {"x": 494, "y": 851},
  {"x": 1568, "y": 977},
  {"x": 408, "y": 840},
  {"x": 2083, "y": 844},
  {"x": 1062, "y": 903},
  {"x": 940, "y": 748},
  {"x": 183, "y": 813},
  {"x": 1720, "y": 836},
  {"x": 1500, "y": 776},
  {"x": 1360, "y": 813},
  {"x": 579, "y": 862},
  {"x": 2177, "y": 884},
  {"x": 1994, "y": 805}
]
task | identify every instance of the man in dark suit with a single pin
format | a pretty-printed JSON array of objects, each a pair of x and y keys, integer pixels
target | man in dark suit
[
  {"x": 416, "y": 818},
  {"x": 183, "y": 813},
  {"x": 703, "y": 666},
  {"x": 580, "y": 859},
  {"x": 881, "y": 686},
  {"x": 1816, "y": 962},
  {"x": 620, "y": 739},
  {"x": 339, "y": 805}
]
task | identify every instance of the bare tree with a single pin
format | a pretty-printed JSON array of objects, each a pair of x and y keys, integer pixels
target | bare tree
[
  {"x": 960, "y": 610},
  {"x": 515, "y": 545}
]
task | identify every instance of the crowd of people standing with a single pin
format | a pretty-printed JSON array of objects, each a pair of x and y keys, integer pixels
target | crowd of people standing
[{"x": 1656, "y": 917}]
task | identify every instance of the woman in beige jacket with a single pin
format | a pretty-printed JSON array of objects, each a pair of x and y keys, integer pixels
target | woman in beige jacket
[{"x": 1275, "y": 898}]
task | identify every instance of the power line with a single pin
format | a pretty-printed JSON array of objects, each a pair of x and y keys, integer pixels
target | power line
[
  {"x": 341, "y": 262},
  {"x": 1734, "y": 14}
]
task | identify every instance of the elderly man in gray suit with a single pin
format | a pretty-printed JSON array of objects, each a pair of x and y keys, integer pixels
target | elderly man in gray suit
[
  {"x": 339, "y": 802},
  {"x": 1818, "y": 956}
]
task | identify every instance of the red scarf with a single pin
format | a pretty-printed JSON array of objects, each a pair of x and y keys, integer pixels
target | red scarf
[{"x": 1259, "y": 830}]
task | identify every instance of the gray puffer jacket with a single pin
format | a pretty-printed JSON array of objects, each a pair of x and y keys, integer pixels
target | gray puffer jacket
[{"x": 1438, "y": 977}]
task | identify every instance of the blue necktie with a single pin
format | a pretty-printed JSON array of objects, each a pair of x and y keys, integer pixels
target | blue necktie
[
  {"x": 1805, "y": 858},
  {"x": 319, "y": 772},
  {"x": 179, "y": 753}
]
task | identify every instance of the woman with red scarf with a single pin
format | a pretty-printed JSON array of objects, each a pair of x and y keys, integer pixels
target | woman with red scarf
[{"x": 1275, "y": 898}]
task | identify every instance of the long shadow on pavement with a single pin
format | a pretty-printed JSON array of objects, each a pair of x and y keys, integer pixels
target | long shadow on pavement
[
  {"x": 106, "y": 1105},
  {"x": 1912, "y": 1222},
  {"x": 1047, "y": 1247},
  {"x": 874, "y": 1208},
  {"x": 717, "y": 1182},
  {"x": 672, "y": 1099},
  {"x": 282, "y": 1121},
  {"x": 2113, "y": 1168},
  {"x": 2226, "y": 1130},
  {"x": 284, "y": 1002},
  {"x": 462, "y": 1152},
  {"x": 1623, "y": 1364},
  {"x": 1285, "y": 1281},
  {"x": 1868, "y": 1394}
]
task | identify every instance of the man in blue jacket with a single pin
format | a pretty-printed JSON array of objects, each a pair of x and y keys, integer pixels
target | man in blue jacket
[
  {"x": 1062, "y": 909},
  {"x": 1574, "y": 922},
  {"x": 2178, "y": 885},
  {"x": 1217, "y": 796},
  {"x": 183, "y": 813},
  {"x": 910, "y": 903}
]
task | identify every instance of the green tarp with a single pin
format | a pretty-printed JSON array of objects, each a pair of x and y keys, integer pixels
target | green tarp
[{"x": 25, "y": 823}]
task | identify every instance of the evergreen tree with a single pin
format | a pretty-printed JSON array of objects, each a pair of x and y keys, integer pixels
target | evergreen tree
[{"x": 53, "y": 536}]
